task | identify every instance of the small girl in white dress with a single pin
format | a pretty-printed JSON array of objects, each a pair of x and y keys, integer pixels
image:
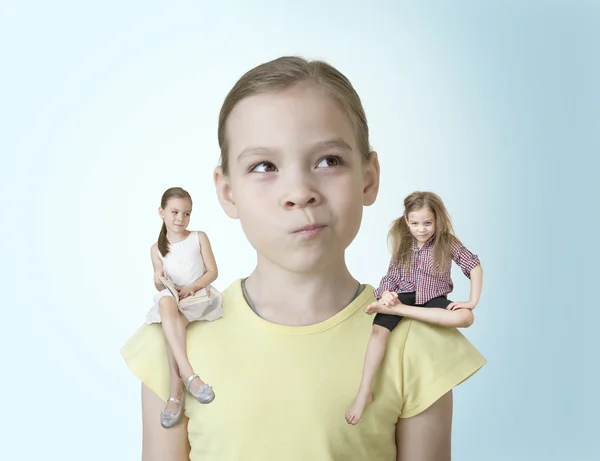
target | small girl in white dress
[{"x": 186, "y": 259}]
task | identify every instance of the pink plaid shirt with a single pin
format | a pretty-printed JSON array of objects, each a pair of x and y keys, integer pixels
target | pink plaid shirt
[{"x": 420, "y": 278}]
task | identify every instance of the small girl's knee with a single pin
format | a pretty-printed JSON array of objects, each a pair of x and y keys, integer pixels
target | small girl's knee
[
  {"x": 167, "y": 306},
  {"x": 471, "y": 318},
  {"x": 380, "y": 332},
  {"x": 468, "y": 318}
]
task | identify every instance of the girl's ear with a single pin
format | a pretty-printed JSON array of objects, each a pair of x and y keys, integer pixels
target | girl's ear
[
  {"x": 161, "y": 213},
  {"x": 371, "y": 173},
  {"x": 225, "y": 193}
]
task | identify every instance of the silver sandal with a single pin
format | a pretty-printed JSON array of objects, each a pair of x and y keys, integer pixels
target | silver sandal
[
  {"x": 168, "y": 419},
  {"x": 204, "y": 395}
]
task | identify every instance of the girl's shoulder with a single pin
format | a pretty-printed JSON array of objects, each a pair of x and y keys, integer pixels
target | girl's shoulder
[
  {"x": 202, "y": 237},
  {"x": 155, "y": 254},
  {"x": 455, "y": 244},
  {"x": 454, "y": 240},
  {"x": 449, "y": 241}
]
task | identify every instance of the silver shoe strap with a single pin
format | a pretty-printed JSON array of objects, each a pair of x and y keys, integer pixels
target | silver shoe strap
[{"x": 189, "y": 381}]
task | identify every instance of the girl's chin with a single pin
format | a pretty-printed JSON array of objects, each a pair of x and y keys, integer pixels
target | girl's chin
[{"x": 306, "y": 263}]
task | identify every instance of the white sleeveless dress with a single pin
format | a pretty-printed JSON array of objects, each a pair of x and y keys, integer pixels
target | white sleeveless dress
[{"x": 184, "y": 264}]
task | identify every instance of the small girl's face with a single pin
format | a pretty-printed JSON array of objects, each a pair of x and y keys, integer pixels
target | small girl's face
[
  {"x": 176, "y": 215},
  {"x": 296, "y": 179},
  {"x": 421, "y": 224}
]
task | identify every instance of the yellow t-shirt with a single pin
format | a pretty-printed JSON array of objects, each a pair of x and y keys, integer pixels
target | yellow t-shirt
[{"x": 282, "y": 392}]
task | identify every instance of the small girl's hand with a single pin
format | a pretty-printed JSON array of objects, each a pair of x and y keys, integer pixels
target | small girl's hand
[
  {"x": 389, "y": 298},
  {"x": 186, "y": 291},
  {"x": 463, "y": 305}
]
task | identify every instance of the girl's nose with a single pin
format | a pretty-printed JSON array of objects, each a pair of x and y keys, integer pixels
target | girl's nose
[
  {"x": 299, "y": 193},
  {"x": 300, "y": 199}
]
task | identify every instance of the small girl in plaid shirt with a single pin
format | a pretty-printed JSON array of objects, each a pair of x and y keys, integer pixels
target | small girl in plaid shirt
[{"x": 424, "y": 246}]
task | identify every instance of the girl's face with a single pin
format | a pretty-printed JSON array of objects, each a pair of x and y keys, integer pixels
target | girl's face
[
  {"x": 176, "y": 214},
  {"x": 421, "y": 224},
  {"x": 296, "y": 180}
]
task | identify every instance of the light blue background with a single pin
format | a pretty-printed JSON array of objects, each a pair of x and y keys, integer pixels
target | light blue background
[{"x": 493, "y": 105}]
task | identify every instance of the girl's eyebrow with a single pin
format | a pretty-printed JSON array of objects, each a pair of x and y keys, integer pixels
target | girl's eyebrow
[
  {"x": 334, "y": 142},
  {"x": 252, "y": 150}
]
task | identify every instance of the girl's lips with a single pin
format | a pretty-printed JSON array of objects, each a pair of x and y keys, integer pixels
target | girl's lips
[{"x": 310, "y": 230}]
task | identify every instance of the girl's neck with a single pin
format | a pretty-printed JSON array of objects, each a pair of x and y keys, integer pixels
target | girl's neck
[
  {"x": 291, "y": 298},
  {"x": 174, "y": 237},
  {"x": 422, "y": 244}
]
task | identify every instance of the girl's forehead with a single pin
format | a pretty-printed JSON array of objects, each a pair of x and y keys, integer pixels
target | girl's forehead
[
  {"x": 179, "y": 204},
  {"x": 303, "y": 114},
  {"x": 422, "y": 213}
]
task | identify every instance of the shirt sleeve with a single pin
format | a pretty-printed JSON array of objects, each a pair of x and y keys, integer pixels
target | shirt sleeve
[
  {"x": 389, "y": 281},
  {"x": 464, "y": 258},
  {"x": 146, "y": 356},
  {"x": 435, "y": 360}
]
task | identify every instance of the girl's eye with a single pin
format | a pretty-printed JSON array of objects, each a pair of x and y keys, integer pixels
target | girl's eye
[
  {"x": 263, "y": 167},
  {"x": 332, "y": 160}
]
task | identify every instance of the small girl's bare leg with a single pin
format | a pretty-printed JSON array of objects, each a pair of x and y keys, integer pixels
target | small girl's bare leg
[
  {"x": 176, "y": 383},
  {"x": 459, "y": 318},
  {"x": 174, "y": 325},
  {"x": 374, "y": 355}
]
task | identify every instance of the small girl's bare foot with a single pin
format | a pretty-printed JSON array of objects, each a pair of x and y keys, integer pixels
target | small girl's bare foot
[
  {"x": 354, "y": 414},
  {"x": 379, "y": 308}
]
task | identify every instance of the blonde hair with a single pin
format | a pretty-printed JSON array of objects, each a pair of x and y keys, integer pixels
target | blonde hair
[
  {"x": 173, "y": 192},
  {"x": 285, "y": 72},
  {"x": 401, "y": 239}
]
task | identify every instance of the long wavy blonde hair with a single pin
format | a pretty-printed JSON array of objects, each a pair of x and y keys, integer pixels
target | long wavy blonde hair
[{"x": 401, "y": 239}]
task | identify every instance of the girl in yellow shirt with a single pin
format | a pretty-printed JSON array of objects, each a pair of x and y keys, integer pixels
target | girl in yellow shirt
[{"x": 296, "y": 171}]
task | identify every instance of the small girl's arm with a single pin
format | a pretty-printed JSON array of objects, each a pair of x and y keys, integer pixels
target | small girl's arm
[
  {"x": 391, "y": 282},
  {"x": 471, "y": 266},
  {"x": 211, "y": 271},
  {"x": 158, "y": 267},
  {"x": 476, "y": 276},
  {"x": 476, "y": 284}
]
